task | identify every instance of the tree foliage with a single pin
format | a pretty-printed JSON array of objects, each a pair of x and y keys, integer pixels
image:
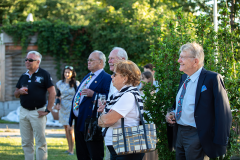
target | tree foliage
[
  {"x": 64, "y": 42},
  {"x": 115, "y": 27},
  {"x": 129, "y": 28},
  {"x": 73, "y": 12}
]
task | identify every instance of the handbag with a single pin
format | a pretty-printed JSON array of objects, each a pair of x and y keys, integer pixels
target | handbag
[
  {"x": 55, "y": 112},
  {"x": 136, "y": 139},
  {"x": 92, "y": 132}
]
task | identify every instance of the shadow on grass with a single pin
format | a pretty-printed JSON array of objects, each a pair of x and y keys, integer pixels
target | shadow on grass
[{"x": 11, "y": 152}]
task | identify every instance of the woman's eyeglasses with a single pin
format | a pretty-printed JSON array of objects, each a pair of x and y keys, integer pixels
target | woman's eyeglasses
[
  {"x": 114, "y": 74},
  {"x": 30, "y": 60},
  {"x": 70, "y": 67}
]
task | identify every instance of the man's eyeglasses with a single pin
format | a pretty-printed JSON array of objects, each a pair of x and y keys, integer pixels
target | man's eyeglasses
[
  {"x": 30, "y": 60},
  {"x": 70, "y": 67},
  {"x": 91, "y": 60},
  {"x": 183, "y": 57}
]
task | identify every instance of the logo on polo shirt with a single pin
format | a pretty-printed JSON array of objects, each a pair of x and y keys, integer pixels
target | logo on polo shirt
[{"x": 38, "y": 79}]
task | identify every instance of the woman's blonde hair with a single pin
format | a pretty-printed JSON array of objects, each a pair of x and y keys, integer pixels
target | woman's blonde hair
[{"x": 129, "y": 69}]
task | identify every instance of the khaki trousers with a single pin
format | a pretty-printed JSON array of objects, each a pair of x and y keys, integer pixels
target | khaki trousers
[{"x": 31, "y": 126}]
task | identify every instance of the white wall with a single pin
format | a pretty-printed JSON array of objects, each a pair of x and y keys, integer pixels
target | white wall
[{"x": 8, "y": 106}]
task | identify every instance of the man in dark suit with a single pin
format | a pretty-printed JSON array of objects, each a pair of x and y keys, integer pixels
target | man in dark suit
[
  {"x": 202, "y": 111},
  {"x": 98, "y": 81}
]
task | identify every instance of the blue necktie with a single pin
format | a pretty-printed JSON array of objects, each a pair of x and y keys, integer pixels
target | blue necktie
[{"x": 180, "y": 101}]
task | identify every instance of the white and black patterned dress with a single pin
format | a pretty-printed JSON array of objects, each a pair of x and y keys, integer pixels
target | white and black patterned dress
[{"x": 67, "y": 94}]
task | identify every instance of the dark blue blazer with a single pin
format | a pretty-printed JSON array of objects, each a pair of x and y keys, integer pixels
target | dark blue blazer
[
  {"x": 212, "y": 113},
  {"x": 100, "y": 84}
]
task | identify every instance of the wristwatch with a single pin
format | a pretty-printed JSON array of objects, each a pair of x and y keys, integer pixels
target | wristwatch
[{"x": 46, "y": 110}]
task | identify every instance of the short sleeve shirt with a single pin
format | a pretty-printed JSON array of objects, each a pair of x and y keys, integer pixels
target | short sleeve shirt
[
  {"x": 127, "y": 107},
  {"x": 38, "y": 84}
]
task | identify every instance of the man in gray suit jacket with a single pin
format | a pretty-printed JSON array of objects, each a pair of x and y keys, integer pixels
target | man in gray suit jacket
[{"x": 202, "y": 111}]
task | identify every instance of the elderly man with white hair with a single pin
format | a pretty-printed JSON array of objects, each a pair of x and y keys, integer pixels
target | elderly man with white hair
[
  {"x": 117, "y": 54},
  {"x": 96, "y": 82},
  {"x": 202, "y": 111},
  {"x": 32, "y": 88}
]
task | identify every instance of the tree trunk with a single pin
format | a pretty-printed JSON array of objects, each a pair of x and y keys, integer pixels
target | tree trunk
[{"x": 232, "y": 15}]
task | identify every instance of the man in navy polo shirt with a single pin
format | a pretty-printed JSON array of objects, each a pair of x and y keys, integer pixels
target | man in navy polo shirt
[{"x": 32, "y": 88}]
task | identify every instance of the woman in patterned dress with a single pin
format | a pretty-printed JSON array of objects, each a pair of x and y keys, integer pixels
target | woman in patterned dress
[{"x": 66, "y": 89}]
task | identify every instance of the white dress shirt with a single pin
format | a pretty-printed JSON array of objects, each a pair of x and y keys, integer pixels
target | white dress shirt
[
  {"x": 112, "y": 91},
  {"x": 188, "y": 104},
  {"x": 87, "y": 86}
]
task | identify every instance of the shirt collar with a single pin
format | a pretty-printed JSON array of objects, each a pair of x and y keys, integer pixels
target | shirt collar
[
  {"x": 196, "y": 75},
  {"x": 125, "y": 87},
  {"x": 27, "y": 73},
  {"x": 97, "y": 72}
]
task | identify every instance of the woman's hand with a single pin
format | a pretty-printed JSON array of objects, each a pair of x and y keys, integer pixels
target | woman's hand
[
  {"x": 100, "y": 122},
  {"x": 101, "y": 106},
  {"x": 107, "y": 120}
]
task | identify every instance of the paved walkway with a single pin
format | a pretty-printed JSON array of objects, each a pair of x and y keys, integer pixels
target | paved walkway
[{"x": 12, "y": 130}]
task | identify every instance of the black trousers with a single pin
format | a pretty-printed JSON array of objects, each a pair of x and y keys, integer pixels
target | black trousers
[
  {"x": 114, "y": 156},
  {"x": 188, "y": 146},
  {"x": 88, "y": 150}
]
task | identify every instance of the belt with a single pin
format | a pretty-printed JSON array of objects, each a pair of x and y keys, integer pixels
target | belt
[
  {"x": 186, "y": 127},
  {"x": 32, "y": 109}
]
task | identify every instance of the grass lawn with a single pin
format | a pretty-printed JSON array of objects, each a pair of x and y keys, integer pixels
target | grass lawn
[
  {"x": 11, "y": 149},
  {"x": 8, "y": 122}
]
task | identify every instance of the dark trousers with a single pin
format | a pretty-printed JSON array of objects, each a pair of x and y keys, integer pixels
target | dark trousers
[
  {"x": 88, "y": 150},
  {"x": 114, "y": 156},
  {"x": 188, "y": 146}
]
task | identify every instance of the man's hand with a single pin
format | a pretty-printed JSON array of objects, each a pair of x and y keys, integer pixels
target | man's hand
[
  {"x": 57, "y": 107},
  {"x": 21, "y": 91},
  {"x": 87, "y": 92},
  {"x": 42, "y": 113},
  {"x": 101, "y": 107},
  {"x": 170, "y": 118}
]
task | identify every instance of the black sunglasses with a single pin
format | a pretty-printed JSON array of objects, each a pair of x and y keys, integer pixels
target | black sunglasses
[
  {"x": 70, "y": 67},
  {"x": 30, "y": 60}
]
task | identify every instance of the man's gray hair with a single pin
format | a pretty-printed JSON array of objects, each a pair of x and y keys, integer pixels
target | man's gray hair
[
  {"x": 195, "y": 50},
  {"x": 121, "y": 52},
  {"x": 101, "y": 56},
  {"x": 37, "y": 54}
]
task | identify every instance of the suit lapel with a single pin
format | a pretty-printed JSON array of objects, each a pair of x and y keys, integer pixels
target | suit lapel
[
  {"x": 199, "y": 86},
  {"x": 95, "y": 83}
]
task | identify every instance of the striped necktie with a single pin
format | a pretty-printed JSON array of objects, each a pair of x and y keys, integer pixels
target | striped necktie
[
  {"x": 180, "y": 101},
  {"x": 78, "y": 97}
]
